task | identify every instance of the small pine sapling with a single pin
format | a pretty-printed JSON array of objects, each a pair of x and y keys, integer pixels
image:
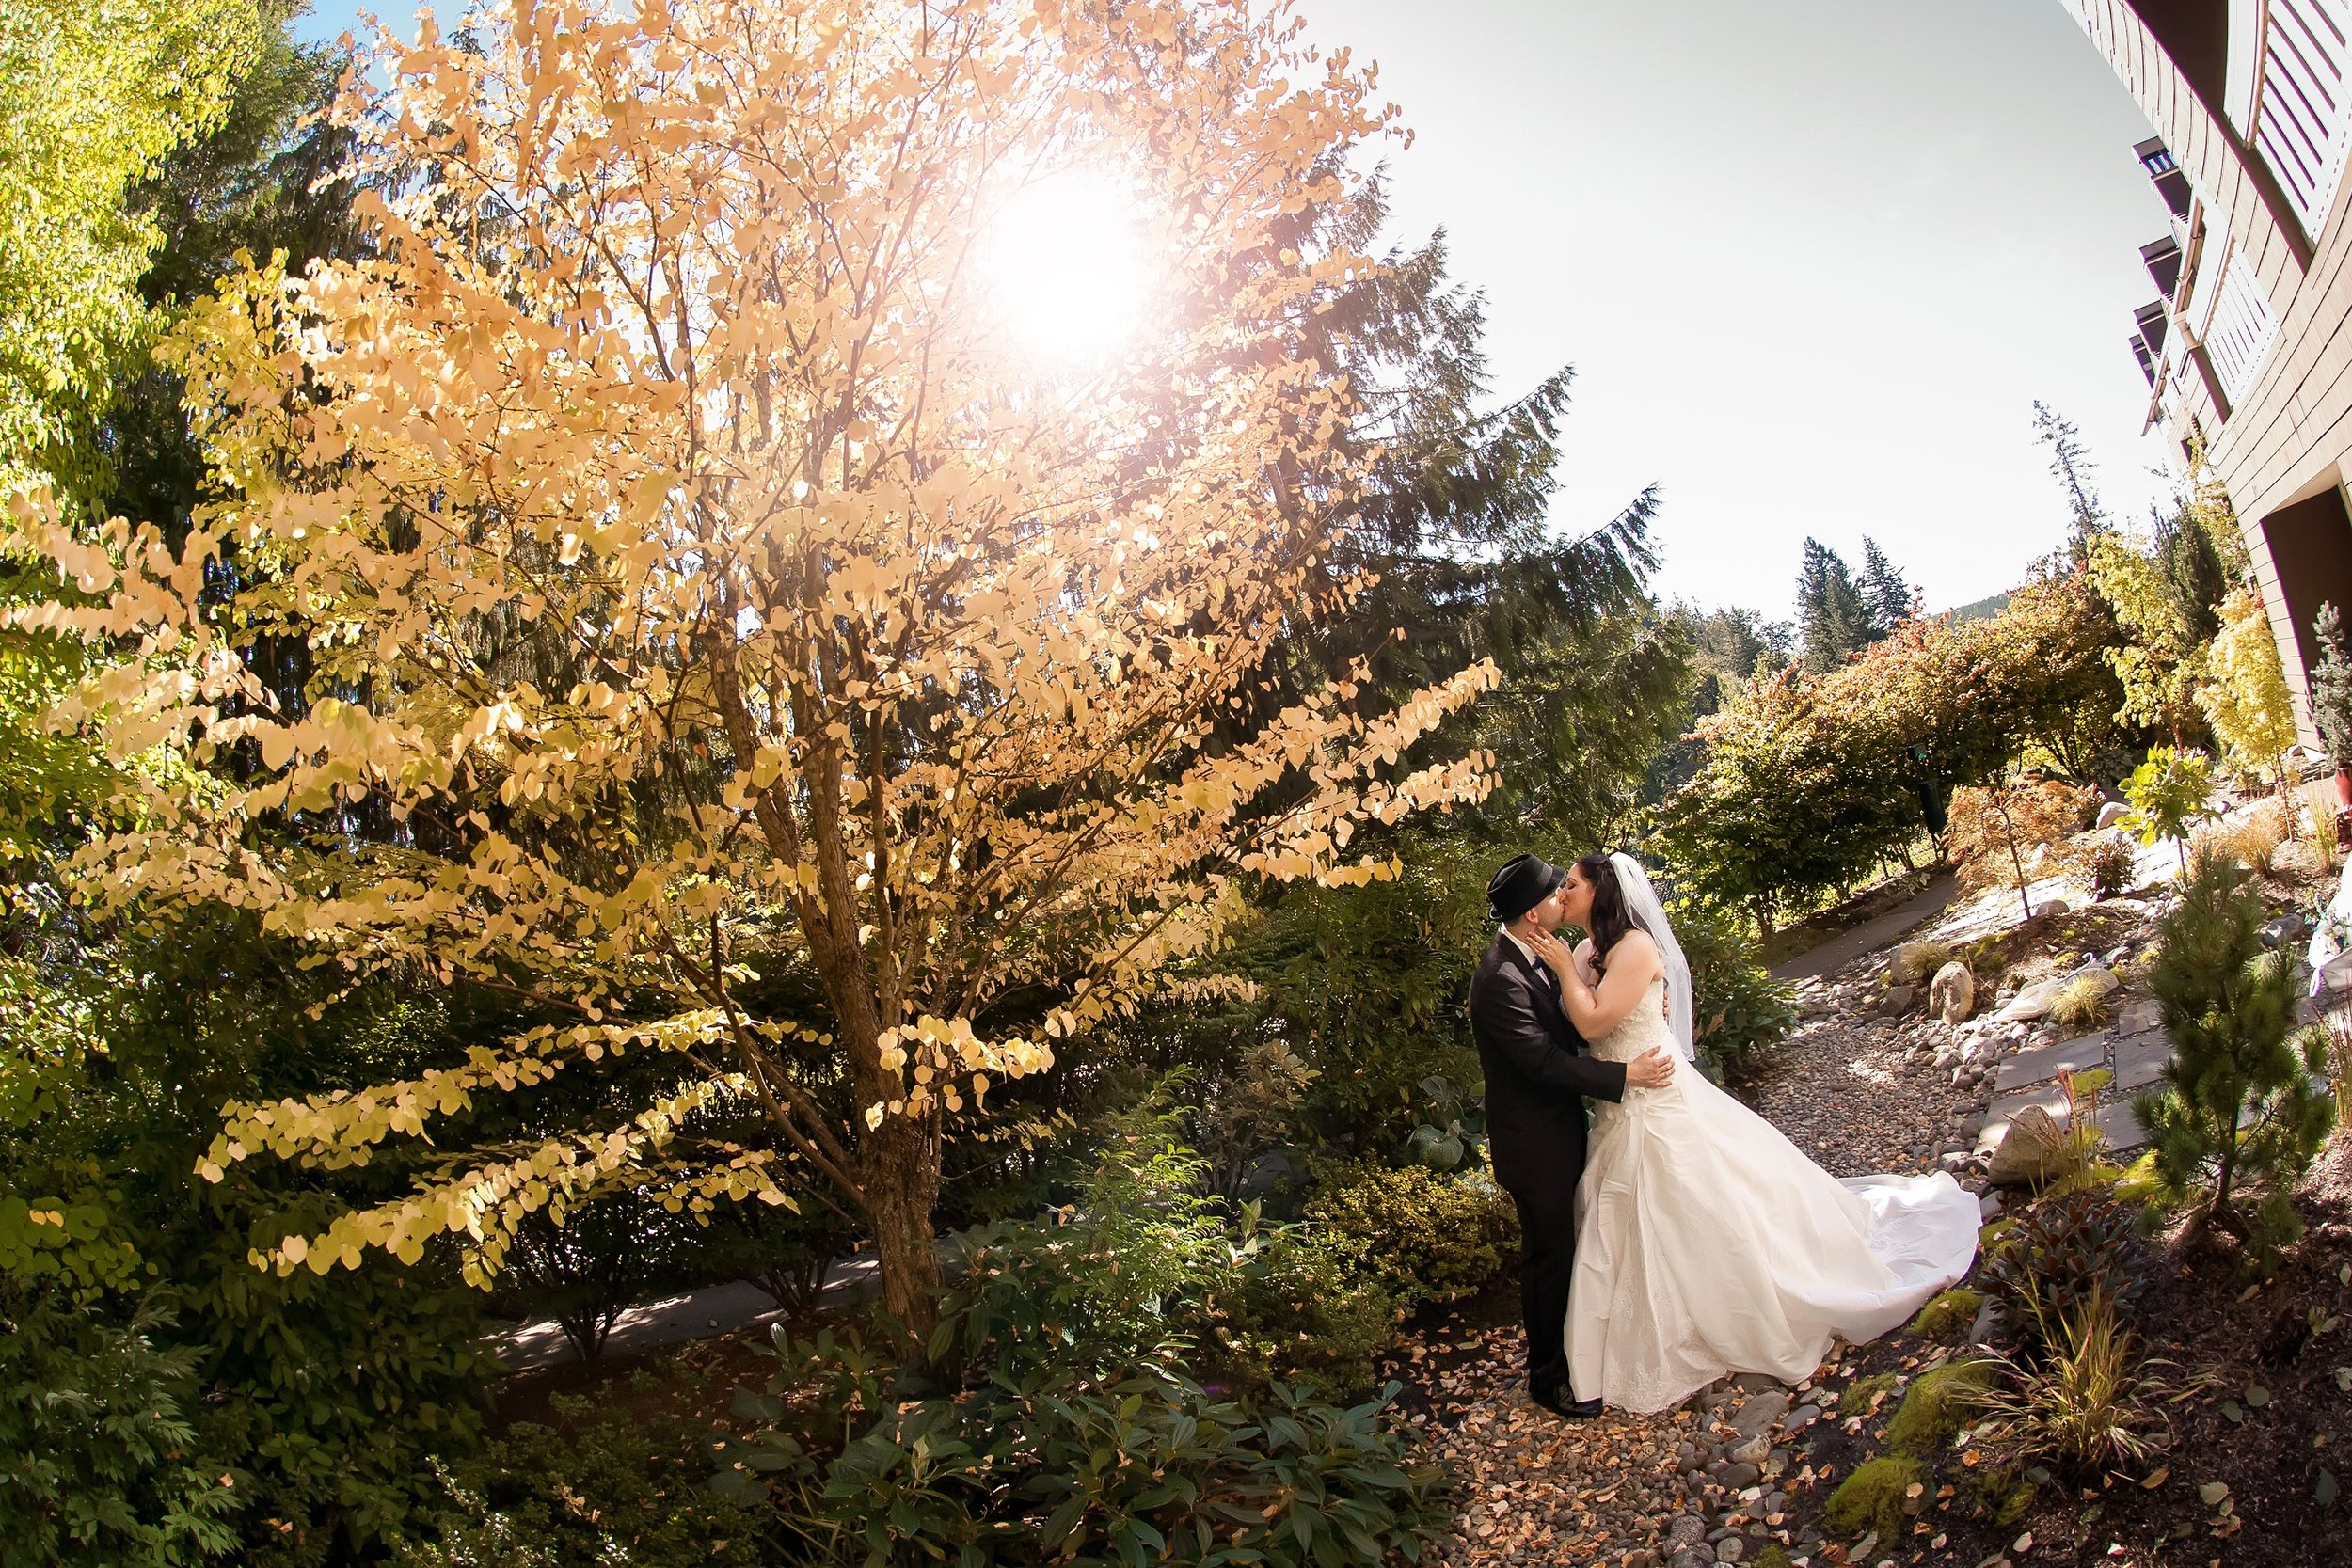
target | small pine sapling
[{"x": 2238, "y": 1109}]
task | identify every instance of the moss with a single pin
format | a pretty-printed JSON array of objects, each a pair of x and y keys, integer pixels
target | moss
[
  {"x": 1937, "y": 1407},
  {"x": 1988, "y": 1236},
  {"x": 1998, "y": 1493},
  {"x": 1774, "y": 1555},
  {"x": 1873, "y": 1498},
  {"x": 1948, "y": 1315},
  {"x": 1855, "y": 1401},
  {"x": 2140, "y": 1182}
]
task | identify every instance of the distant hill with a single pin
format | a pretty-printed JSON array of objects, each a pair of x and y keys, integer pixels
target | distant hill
[{"x": 1983, "y": 610}]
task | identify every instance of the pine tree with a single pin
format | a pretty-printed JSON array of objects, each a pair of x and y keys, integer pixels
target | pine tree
[
  {"x": 1832, "y": 616},
  {"x": 2238, "y": 1107},
  {"x": 1889, "y": 596},
  {"x": 2071, "y": 466},
  {"x": 2332, "y": 685}
]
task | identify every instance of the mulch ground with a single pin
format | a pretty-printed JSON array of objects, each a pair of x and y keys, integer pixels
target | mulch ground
[{"x": 2267, "y": 1451}]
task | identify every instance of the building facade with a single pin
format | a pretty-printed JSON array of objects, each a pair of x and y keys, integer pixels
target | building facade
[{"x": 2247, "y": 346}]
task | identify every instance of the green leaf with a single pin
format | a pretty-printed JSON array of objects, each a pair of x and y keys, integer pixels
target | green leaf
[
  {"x": 2323, "y": 1489},
  {"x": 2232, "y": 1413},
  {"x": 2344, "y": 1380},
  {"x": 2256, "y": 1395}
]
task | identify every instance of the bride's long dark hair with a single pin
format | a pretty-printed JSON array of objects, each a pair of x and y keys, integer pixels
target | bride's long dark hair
[{"x": 1608, "y": 923}]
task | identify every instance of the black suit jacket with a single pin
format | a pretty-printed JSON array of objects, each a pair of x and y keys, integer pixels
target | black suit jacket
[{"x": 1537, "y": 1073}]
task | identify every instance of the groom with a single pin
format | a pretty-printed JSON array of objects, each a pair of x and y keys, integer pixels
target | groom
[{"x": 1537, "y": 1079}]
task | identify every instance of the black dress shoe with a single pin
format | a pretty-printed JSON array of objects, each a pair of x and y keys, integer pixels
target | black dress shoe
[{"x": 1561, "y": 1402}]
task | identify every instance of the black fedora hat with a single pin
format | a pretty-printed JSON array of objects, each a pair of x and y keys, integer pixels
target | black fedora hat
[{"x": 1524, "y": 882}]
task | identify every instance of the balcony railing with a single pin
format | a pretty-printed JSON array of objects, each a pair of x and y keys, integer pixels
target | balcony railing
[
  {"x": 2240, "y": 328},
  {"x": 2290, "y": 95}
]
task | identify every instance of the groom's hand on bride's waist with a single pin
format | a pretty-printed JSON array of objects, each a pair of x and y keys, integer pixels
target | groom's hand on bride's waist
[{"x": 1652, "y": 1069}]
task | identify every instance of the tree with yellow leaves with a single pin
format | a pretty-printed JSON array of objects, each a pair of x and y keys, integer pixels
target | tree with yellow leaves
[
  {"x": 702, "y": 574},
  {"x": 2244, "y": 698}
]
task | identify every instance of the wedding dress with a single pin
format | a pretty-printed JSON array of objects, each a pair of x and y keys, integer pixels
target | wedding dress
[{"x": 1708, "y": 1244}]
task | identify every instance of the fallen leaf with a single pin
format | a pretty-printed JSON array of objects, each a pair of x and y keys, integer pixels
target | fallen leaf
[
  {"x": 2158, "y": 1476},
  {"x": 2213, "y": 1491},
  {"x": 2323, "y": 1489}
]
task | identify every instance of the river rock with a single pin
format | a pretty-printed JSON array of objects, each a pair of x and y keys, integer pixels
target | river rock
[
  {"x": 1687, "y": 1530},
  {"x": 1897, "y": 1000},
  {"x": 1757, "y": 1416},
  {"x": 2110, "y": 813},
  {"x": 2033, "y": 1150},
  {"x": 1952, "y": 994}
]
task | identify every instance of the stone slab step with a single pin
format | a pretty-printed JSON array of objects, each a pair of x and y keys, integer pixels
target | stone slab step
[
  {"x": 2043, "y": 1063},
  {"x": 2139, "y": 1061}
]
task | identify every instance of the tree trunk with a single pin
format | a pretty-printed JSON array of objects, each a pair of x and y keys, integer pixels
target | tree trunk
[
  {"x": 901, "y": 1193},
  {"x": 2008, "y": 832}
]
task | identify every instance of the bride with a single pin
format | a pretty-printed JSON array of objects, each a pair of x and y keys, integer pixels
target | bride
[{"x": 1706, "y": 1243}]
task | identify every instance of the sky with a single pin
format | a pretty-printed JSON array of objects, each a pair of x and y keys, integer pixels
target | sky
[{"x": 1813, "y": 262}]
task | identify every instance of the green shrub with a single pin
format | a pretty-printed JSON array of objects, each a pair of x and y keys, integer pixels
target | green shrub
[
  {"x": 612, "y": 1481},
  {"x": 99, "y": 1465},
  {"x": 1144, "y": 1268},
  {"x": 1936, "y": 1406},
  {"x": 1046, "y": 1466},
  {"x": 2168, "y": 794},
  {"x": 1428, "y": 1236},
  {"x": 1740, "y": 1007},
  {"x": 2059, "y": 1252},
  {"x": 1951, "y": 1314},
  {"x": 2107, "y": 864},
  {"x": 1872, "y": 1498},
  {"x": 1311, "y": 1309}
]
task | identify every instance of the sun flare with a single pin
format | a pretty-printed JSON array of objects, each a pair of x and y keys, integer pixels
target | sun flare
[{"x": 1067, "y": 265}]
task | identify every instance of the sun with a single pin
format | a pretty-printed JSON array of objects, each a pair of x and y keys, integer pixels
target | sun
[{"x": 1067, "y": 266}]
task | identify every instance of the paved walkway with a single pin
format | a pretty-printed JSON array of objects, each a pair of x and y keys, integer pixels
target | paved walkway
[
  {"x": 696, "y": 1315},
  {"x": 1843, "y": 948}
]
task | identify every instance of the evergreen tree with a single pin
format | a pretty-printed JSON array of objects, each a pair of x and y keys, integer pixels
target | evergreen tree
[
  {"x": 262, "y": 181},
  {"x": 2332, "y": 685},
  {"x": 2071, "y": 466},
  {"x": 1456, "y": 532},
  {"x": 1833, "y": 615},
  {"x": 1890, "y": 597},
  {"x": 2238, "y": 1106}
]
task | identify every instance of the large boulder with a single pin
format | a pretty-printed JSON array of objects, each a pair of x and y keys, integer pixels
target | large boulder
[
  {"x": 2033, "y": 1150},
  {"x": 2112, "y": 812},
  {"x": 1952, "y": 995},
  {"x": 2032, "y": 1002}
]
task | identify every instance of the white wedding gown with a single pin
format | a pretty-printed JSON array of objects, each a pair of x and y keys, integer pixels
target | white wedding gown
[{"x": 1708, "y": 1244}]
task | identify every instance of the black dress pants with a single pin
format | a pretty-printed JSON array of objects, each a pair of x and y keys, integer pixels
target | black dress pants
[{"x": 1546, "y": 1265}]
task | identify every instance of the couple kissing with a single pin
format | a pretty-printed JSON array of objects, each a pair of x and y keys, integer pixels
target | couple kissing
[{"x": 1682, "y": 1238}]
